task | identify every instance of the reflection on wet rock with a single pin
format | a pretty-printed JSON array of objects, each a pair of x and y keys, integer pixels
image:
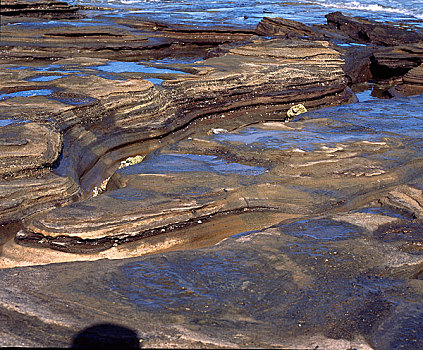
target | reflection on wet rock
[
  {"x": 279, "y": 284},
  {"x": 323, "y": 162},
  {"x": 169, "y": 145}
]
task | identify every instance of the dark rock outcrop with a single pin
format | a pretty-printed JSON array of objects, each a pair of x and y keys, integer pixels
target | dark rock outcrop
[
  {"x": 370, "y": 49},
  {"x": 396, "y": 61},
  {"x": 412, "y": 82},
  {"x": 395, "y": 50},
  {"x": 287, "y": 28},
  {"x": 371, "y": 32},
  {"x": 358, "y": 63},
  {"x": 38, "y": 8}
]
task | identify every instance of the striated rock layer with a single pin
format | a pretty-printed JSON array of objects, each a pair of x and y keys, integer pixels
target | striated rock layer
[
  {"x": 123, "y": 113},
  {"x": 367, "y": 31},
  {"x": 324, "y": 210},
  {"x": 307, "y": 167},
  {"x": 254, "y": 82},
  {"x": 129, "y": 114},
  {"x": 39, "y": 8}
]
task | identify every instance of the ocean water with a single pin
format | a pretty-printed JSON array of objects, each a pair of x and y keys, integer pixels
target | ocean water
[{"x": 247, "y": 13}]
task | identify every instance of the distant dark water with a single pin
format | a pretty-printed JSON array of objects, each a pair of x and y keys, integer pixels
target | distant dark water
[{"x": 248, "y": 13}]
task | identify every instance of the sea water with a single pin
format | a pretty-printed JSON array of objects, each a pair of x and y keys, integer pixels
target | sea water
[{"x": 247, "y": 13}]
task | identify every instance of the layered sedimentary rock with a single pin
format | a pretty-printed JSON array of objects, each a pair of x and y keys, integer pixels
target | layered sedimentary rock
[
  {"x": 28, "y": 151},
  {"x": 343, "y": 270},
  {"x": 371, "y": 32},
  {"x": 357, "y": 59},
  {"x": 222, "y": 92},
  {"x": 396, "y": 50},
  {"x": 340, "y": 266},
  {"x": 288, "y": 286},
  {"x": 370, "y": 49},
  {"x": 39, "y": 8},
  {"x": 287, "y": 28},
  {"x": 396, "y": 61},
  {"x": 123, "y": 114},
  {"x": 25, "y": 146},
  {"x": 123, "y": 38},
  {"x": 270, "y": 167},
  {"x": 347, "y": 272},
  {"x": 412, "y": 82},
  {"x": 414, "y": 76}
]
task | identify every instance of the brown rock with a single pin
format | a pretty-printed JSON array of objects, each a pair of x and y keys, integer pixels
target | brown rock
[
  {"x": 25, "y": 146},
  {"x": 38, "y": 8},
  {"x": 27, "y": 153},
  {"x": 231, "y": 85},
  {"x": 240, "y": 87},
  {"x": 396, "y": 61},
  {"x": 412, "y": 82},
  {"x": 125, "y": 39},
  {"x": 39, "y": 191},
  {"x": 357, "y": 65},
  {"x": 195, "y": 180},
  {"x": 414, "y": 76},
  {"x": 284, "y": 27},
  {"x": 371, "y": 32}
]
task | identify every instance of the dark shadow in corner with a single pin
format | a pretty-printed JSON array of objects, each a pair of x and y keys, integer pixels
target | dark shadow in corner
[{"x": 106, "y": 336}]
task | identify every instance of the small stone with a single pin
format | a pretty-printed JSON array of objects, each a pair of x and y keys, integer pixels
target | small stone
[{"x": 296, "y": 110}]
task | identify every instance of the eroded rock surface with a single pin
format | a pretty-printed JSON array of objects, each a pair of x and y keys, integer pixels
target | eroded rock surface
[
  {"x": 258, "y": 81},
  {"x": 273, "y": 166},
  {"x": 28, "y": 152},
  {"x": 324, "y": 210},
  {"x": 372, "y": 32},
  {"x": 27, "y": 145},
  {"x": 39, "y": 8},
  {"x": 300, "y": 284}
]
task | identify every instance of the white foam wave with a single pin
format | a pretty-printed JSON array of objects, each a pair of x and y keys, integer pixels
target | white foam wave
[{"x": 356, "y": 5}]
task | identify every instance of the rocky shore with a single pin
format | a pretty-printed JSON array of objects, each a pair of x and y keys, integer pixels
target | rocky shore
[{"x": 139, "y": 137}]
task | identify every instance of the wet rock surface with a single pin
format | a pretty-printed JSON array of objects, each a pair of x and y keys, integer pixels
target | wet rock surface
[
  {"x": 366, "y": 31},
  {"x": 292, "y": 285},
  {"x": 41, "y": 8},
  {"x": 268, "y": 228}
]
